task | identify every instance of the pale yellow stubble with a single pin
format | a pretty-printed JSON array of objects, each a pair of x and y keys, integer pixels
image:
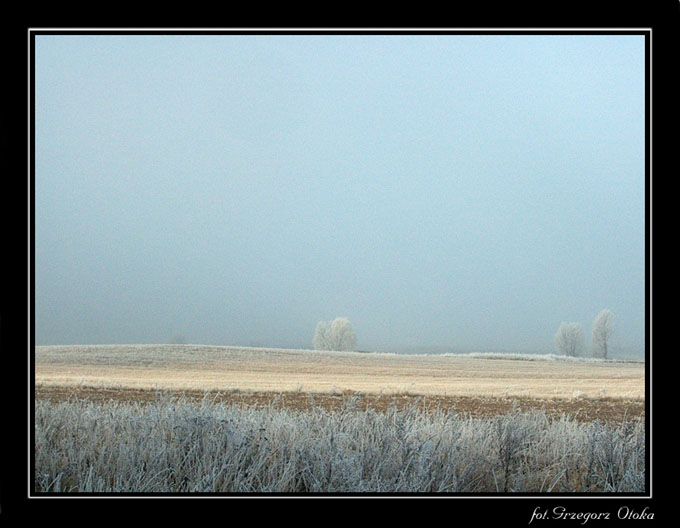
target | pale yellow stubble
[{"x": 191, "y": 367}]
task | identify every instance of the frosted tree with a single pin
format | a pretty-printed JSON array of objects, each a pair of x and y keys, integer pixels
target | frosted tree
[
  {"x": 335, "y": 335},
  {"x": 569, "y": 339},
  {"x": 603, "y": 327},
  {"x": 320, "y": 340}
]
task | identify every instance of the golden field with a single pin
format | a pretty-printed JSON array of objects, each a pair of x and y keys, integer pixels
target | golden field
[{"x": 216, "y": 368}]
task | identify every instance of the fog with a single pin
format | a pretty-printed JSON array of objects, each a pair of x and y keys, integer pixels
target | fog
[{"x": 443, "y": 192}]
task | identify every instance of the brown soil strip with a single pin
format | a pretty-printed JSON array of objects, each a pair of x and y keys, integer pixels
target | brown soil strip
[{"x": 583, "y": 410}]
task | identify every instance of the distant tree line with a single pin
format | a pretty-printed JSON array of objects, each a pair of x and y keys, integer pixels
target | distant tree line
[
  {"x": 338, "y": 335},
  {"x": 571, "y": 342}
]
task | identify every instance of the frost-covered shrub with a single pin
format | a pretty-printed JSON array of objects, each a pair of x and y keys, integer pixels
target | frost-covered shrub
[{"x": 184, "y": 447}]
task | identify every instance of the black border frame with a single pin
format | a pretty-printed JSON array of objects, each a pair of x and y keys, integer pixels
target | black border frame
[{"x": 661, "y": 37}]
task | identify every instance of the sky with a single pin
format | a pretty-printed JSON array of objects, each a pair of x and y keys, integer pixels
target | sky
[{"x": 462, "y": 191}]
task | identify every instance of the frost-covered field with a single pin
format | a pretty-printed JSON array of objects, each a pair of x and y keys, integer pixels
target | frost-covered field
[
  {"x": 180, "y": 447},
  {"x": 189, "y": 367},
  {"x": 177, "y": 447},
  {"x": 547, "y": 357}
]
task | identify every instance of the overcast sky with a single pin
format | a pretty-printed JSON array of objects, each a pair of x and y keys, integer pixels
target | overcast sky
[{"x": 466, "y": 191}]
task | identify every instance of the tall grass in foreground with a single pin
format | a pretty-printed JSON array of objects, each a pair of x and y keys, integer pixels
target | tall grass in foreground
[{"x": 184, "y": 447}]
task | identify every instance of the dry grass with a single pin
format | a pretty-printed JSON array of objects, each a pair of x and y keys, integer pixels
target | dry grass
[
  {"x": 185, "y": 447},
  {"x": 193, "y": 367}
]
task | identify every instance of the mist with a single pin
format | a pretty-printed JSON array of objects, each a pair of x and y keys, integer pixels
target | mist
[{"x": 467, "y": 192}]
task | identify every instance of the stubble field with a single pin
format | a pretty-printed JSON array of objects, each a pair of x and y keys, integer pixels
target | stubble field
[{"x": 300, "y": 379}]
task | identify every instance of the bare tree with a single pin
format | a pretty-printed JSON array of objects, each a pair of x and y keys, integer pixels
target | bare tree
[
  {"x": 603, "y": 327},
  {"x": 569, "y": 339},
  {"x": 320, "y": 335},
  {"x": 335, "y": 335}
]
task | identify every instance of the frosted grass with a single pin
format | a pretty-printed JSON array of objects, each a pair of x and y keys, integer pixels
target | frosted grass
[
  {"x": 187, "y": 447},
  {"x": 543, "y": 357}
]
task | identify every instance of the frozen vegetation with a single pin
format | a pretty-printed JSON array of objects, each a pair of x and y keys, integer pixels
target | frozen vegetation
[
  {"x": 545, "y": 357},
  {"x": 183, "y": 447}
]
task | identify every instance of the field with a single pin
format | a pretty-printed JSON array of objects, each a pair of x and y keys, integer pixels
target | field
[
  {"x": 479, "y": 385},
  {"x": 188, "y": 367},
  {"x": 185, "y": 418}
]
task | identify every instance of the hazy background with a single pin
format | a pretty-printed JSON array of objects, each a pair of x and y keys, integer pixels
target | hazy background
[{"x": 464, "y": 192}]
